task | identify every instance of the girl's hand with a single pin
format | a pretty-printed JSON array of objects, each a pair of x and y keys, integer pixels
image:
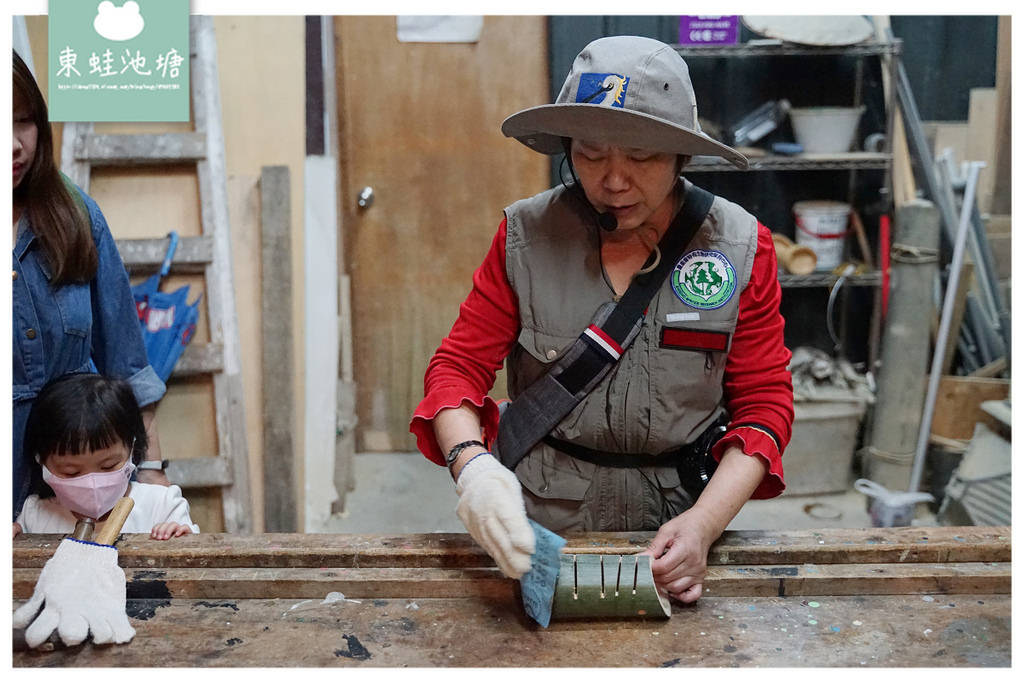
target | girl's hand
[
  {"x": 679, "y": 555},
  {"x": 17, "y": 530},
  {"x": 165, "y": 530}
]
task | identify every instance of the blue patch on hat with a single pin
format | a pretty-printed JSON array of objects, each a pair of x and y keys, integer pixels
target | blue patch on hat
[{"x": 608, "y": 90}]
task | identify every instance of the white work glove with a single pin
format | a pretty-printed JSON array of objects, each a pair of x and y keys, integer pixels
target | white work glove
[
  {"x": 83, "y": 590},
  {"x": 491, "y": 507}
]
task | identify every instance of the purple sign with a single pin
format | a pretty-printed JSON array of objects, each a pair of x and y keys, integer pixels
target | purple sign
[{"x": 709, "y": 30}]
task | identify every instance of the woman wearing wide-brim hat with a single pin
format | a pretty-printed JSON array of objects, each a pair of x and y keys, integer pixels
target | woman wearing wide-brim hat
[{"x": 706, "y": 361}]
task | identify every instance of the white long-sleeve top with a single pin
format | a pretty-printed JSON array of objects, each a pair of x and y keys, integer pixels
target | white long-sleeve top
[{"x": 153, "y": 504}]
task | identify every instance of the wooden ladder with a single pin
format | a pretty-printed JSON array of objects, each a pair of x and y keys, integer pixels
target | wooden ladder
[{"x": 210, "y": 254}]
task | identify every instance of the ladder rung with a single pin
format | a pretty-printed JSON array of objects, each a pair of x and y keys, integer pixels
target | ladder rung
[
  {"x": 139, "y": 149},
  {"x": 141, "y": 255},
  {"x": 200, "y": 472},
  {"x": 199, "y": 359}
]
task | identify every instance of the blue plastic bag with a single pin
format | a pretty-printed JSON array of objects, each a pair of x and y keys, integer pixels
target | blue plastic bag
[{"x": 168, "y": 321}]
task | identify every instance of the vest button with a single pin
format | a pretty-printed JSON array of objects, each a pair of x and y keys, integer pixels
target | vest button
[
  {"x": 14, "y": 275},
  {"x": 551, "y": 354},
  {"x": 545, "y": 488},
  {"x": 30, "y": 333}
]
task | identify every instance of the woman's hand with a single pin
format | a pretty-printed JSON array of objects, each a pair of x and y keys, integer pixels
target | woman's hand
[
  {"x": 679, "y": 553},
  {"x": 17, "y": 530},
  {"x": 165, "y": 530},
  {"x": 679, "y": 550}
]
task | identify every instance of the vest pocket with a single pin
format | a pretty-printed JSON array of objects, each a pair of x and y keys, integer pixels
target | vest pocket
[
  {"x": 545, "y": 346},
  {"x": 532, "y": 357},
  {"x": 556, "y": 489},
  {"x": 687, "y": 362}
]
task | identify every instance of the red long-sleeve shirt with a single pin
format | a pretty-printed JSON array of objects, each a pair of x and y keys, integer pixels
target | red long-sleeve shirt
[{"x": 757, "y": 386}]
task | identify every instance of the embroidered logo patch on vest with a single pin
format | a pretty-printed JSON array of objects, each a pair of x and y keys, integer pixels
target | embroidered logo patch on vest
[
  {"x": 704, "y": 279},
  {"x": 608, "y": 90}
]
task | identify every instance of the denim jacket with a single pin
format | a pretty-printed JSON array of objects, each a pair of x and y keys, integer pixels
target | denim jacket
[{"x": 78, "y": 327}]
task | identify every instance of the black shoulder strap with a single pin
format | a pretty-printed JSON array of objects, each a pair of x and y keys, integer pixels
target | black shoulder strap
[
  {"x": 538, "y": 409},
  {"x": 672, "y": 245}
]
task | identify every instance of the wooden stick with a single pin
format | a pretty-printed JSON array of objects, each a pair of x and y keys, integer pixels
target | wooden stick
[
  {"x": 862, "y": 240},
  {"x": 112, "y": 527},
  {"x": 993, "y": 369}
]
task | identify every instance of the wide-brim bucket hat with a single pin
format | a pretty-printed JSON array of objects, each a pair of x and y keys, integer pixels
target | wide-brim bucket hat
[{"x": 623, "y": 90}]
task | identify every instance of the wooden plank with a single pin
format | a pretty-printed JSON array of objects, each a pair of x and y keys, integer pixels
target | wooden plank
[
  {"x": 200, "y": 472},
  {"x": 367, "y": 583},
  {"x": 859, "y": 579},
  {"x": 199, "y": 359},
  {"x": 787, "y": 547},
  {"x": 841, "y": 631},
  {"x": 76, "y": 169},
  {"x": 993, "y": 369},
  {"x": 947, "y": 134},
  {"x": 1003, "y": 168},
  {"x": 212, "y": 174},
  {"x": 999, "y": 231},
  {"x": 146, "y": 255},
  {"x": 280, "y": 509},
  {"x": 958, "y": 404},
  {"x": 904, "y": 186},
  {"x": 981, "y": 141},
  {"x": 320, "y": 353},
  {"x": 141, "y": 149}
]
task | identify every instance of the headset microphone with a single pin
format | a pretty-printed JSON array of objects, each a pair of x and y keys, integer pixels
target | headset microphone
[{"x": 607, "y": 221}]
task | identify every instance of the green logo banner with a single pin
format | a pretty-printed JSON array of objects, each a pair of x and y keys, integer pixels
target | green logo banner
[
  {"x": 704, "y": 279},
  {"x": 120, "y": 60}
]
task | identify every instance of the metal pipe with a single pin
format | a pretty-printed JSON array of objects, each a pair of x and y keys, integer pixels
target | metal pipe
[
  {"x": 1000, "y": 313},
  {"x": 974, "y": 167},
  {"x": 919, "y": 147},
  {"x": 989, "y": 343},
  {"x": 968, "y": 351}
]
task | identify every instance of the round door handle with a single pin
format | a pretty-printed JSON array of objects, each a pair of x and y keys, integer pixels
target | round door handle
[{"x": 365, "y": 198}]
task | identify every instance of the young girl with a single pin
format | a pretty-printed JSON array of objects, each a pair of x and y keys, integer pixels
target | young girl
[{"x": 84, "y": 437}]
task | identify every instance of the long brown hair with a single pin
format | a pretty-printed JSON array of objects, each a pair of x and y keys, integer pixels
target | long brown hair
[{"x": 59, "y": 222}]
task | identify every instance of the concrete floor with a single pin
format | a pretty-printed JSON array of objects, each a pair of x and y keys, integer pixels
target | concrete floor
[{"x": 405, "y": 493}]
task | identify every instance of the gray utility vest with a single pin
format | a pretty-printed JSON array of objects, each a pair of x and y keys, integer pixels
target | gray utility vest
[{"x": 667, "y": 387}]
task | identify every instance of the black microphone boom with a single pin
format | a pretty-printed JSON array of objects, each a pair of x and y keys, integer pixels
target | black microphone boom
[{"x": 607, "y": 221}]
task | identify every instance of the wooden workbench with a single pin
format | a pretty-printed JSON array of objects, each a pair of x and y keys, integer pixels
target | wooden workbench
[{"x": 934, "y": 597}]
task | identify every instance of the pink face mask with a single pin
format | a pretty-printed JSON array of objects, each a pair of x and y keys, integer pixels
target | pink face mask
[{"x": 93, "y": 494}]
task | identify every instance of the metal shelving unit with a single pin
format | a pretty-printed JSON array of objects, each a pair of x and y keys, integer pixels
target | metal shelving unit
[
  {"x": 774, "y": 48},
  {"x": 870, "y": 279},
  {"x": 850, "y": 161},
  {"x": 799, "y": 162}
]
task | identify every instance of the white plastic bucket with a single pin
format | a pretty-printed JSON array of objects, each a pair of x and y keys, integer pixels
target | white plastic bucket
[
  {"x": 822, "y": 226},
  {"x": 825, "y": 130}
]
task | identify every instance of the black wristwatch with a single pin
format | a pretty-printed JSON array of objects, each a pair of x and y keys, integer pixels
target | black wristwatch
[
  {"x": 457, "y": 449},
  {"x": 159, "y": 465}
]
